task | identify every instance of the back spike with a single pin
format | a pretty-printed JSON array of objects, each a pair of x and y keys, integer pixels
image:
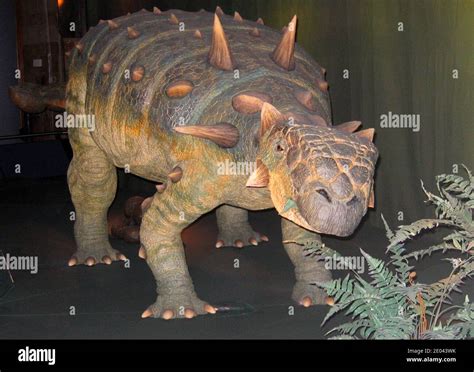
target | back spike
[
  {"x": 284, "y": 53},
  {"x": 156, "y": 10},
  {"x": 255, "y": 32},
  {"x": 132, "y": 33},
  {"x": 220, "y": 55},
  {"x": 173, "y": 19},
  {"x": 238, "y": 17},
  {"x": 112, "y": 25},
  {"x": 219, "y": 11},
  {"x": 260, "y": 21}
]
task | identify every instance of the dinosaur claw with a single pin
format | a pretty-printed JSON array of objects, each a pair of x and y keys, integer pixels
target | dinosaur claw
[
  {"x": 220, "y": 244},
  {"x": 239, "y": 243},
  {"x": 142, "y": 252},
  {"x": 121, "y": 257},
  {"x": 90, "y": 261},
  {"x": 209, "y": 309},
  {"x": 147, "y": 313},
  {"x": 306, "y": 301},
  {"x": 264, "y": 238},
  {"x": 72, "y": 262},
  {"x": 253, "y": 241},
  {"x": 107, "y": 260},
  {"x": 189, "y": 313},
  {"x": 168, "y": 314}
]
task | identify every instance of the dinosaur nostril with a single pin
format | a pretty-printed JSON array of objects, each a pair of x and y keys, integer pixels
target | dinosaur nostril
[
  {"x": 324, "y": 194},
  {"x": 353, "y": 201}
]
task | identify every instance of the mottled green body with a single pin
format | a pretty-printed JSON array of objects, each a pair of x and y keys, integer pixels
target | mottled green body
[{"x": 123, "y": 76}]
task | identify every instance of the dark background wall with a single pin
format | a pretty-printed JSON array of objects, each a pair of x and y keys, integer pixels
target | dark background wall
[
  {"x": 9, "y": 115},
  {"x": 405, "y": 72}
]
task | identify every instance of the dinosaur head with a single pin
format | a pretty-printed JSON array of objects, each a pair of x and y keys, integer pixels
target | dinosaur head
[{"x": 319, "y": 178}]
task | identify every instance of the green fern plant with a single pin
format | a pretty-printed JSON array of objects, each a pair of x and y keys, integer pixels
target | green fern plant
[{"x": 392, "y": 305}]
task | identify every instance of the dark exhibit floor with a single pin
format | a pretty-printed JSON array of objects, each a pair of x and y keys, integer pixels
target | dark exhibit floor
[{"x": 109, "y": 300}]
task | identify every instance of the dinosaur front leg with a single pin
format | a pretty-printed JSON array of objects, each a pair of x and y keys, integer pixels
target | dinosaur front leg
[
  {"x": 234, "y": 228},
  {"x": 307, "y": 269},
  {"x": 160, "y": 234}
]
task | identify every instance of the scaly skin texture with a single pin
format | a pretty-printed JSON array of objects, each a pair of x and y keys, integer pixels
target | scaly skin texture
[{"x": 126, "y": 78}]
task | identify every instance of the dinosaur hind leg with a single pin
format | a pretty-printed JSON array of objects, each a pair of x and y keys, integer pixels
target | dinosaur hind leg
[{"x": 92, "y": 181}]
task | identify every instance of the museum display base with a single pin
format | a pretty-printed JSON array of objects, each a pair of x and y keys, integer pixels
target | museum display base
[{"x": 108, "y": 300}]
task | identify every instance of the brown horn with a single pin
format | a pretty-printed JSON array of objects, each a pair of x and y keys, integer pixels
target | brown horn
[
  {"x": 260, "y": 177},
  {"x": 349, "y": 127},
  {"x": 284, "y": 53},
  {"x": 223, "y": 134},
  {"x": 220, "y": 55},
  {"x": 269, "y": 117},
  {"x": 372, "y": 198},
  {"x": 176, "y": 174},
  {"x": 368, "y": 134}
]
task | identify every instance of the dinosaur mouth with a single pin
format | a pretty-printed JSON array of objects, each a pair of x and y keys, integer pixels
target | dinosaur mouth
[{"x": 327, "y": 216}]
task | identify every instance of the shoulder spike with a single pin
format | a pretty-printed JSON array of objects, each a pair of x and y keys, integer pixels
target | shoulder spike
[
  {"x": 176, "y": 174},
  {"x": 132, "y": 33},
  {"x": 260, "y": 177},
  {"x": 112, "y": 25},
  {"x": 219, "y": 11},
  {"x": 260, "y": 21},
  {"x": 156, "y": 10},
  {"x": 173, "y": 19},
  {"x": 250, "y": 102},
  {"x": 368, "y": 134},
  {"x": 223, "y": 134},
  {"x": 101, "y": 21},
  {"x": 322, "y": 85},
  {"x": 305, "y": 97},
  {"x": 197, "y": 34},
  {"x": 255, "y": 32},
  {"x": 269, "y": 117},
  {"x": 284, "y": 53},
  {"x": 106, "y": 67},
  {"x": 238, "y": 17},
  {"x": 220, "y": 55},
  {"x": 349, "y": 127}
]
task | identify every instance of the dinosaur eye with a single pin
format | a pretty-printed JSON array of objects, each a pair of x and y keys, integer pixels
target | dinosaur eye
[{"x": 279, "y": 147}]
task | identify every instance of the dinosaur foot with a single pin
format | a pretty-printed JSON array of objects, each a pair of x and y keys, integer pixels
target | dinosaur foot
[
  {"x": 307, "y": 294},
  {"x": 240, "y": 237},
  {"x": 179, "y": 306},
  {"x": 101, "y": 253}
]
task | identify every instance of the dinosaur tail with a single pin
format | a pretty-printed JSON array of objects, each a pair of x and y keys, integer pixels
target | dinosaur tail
[{"x": 34, "y": 98}]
